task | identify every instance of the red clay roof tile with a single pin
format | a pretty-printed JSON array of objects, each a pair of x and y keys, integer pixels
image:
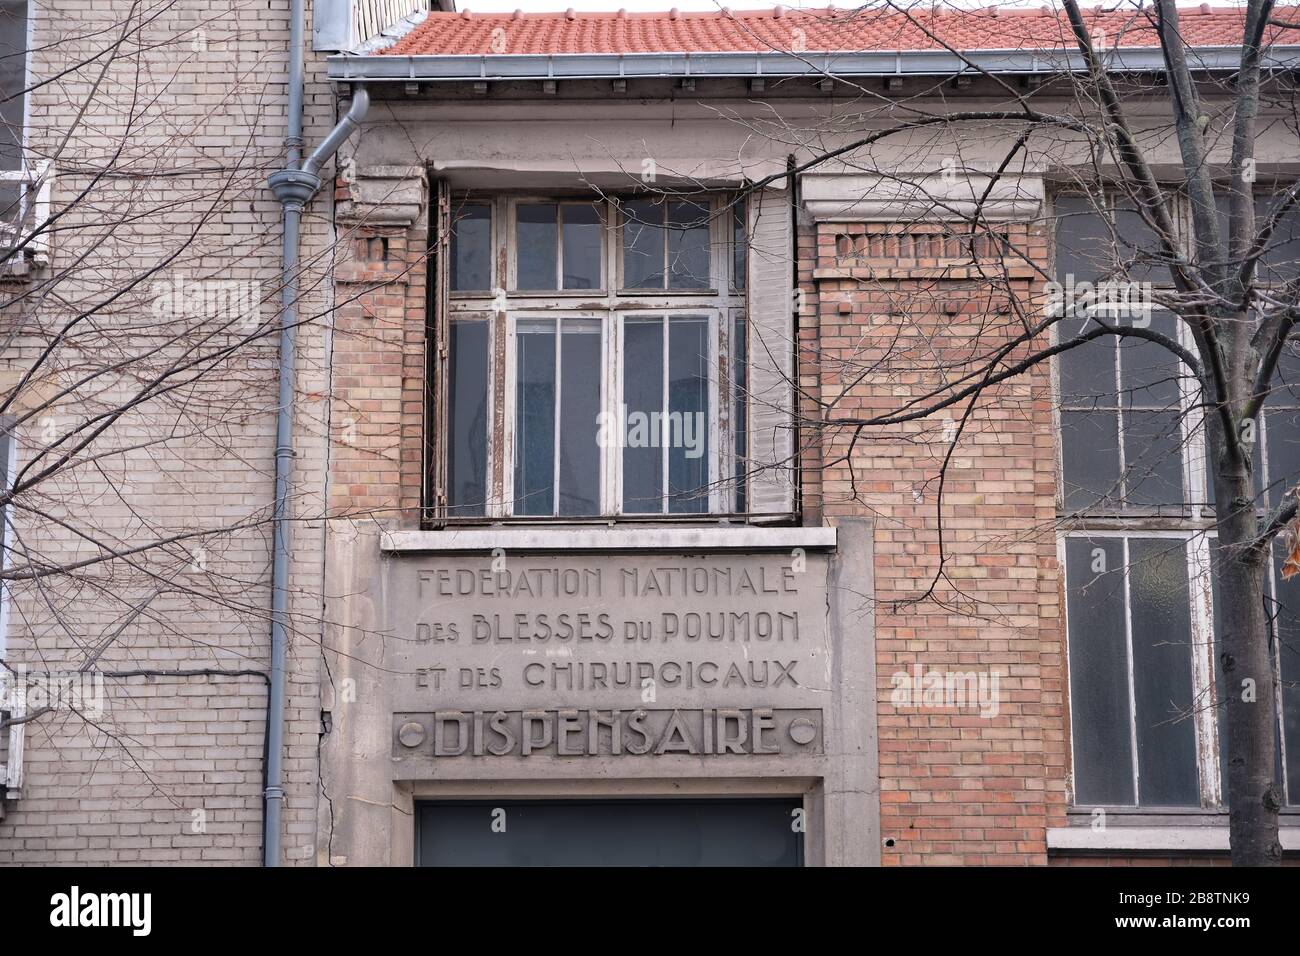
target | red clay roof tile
[{"x": 775, "y": 30}]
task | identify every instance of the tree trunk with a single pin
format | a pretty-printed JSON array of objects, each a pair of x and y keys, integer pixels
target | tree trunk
[{"x": 1245, "y": 654}]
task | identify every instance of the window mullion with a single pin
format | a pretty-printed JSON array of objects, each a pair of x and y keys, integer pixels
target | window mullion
[
  {"x": 555, "y": 418},
  {"x": 1201, "y": 591},
  {"x": 559, "y": 246},
  {"x": 665, "y": 486},
  {"x": 1132, "y": 690}
]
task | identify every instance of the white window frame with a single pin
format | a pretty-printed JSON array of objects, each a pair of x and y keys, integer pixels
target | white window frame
[
  {"x": 11, "y": 772},
  {"x": 1201, "y": 617},
  {"x": 718, "y": 457},
  {"x": 34, "y": 180},
  {"x": 503, "y": 307},
  {"x": 1196, "y": 527}
]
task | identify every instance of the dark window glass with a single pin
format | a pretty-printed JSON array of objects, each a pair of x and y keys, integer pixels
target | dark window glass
[
  {"x": 13, "y": 81},
  {"x": 571, "y": 391},
  {"x": 688, "y": 245},
  {"x": 1149, "y": 372},
  {"x": 665, "y": 245},
  {"x": 579, "y": 417},
  {"x": 535, "y": 418},
  {"x": 1162, "y": 672},
  {"x": 1137, "y": 253},
  {"x": 471, "y": 248},
  {"x": 584, "y": 245},
  {"x": 1083, "y": 239},
  {"x": 1160, "y": 715},
  {"x": 467, "y": 424},
  {"x": 1280, "y": 261},
  {"x": 1153, "y": 466},
  {"x": 1090, "y": 458},
  {"x": 1282, "y": 437},
  {"x": 1099, "y": 685},
  {"x": 688, "y": 415},
  {"x": 1098, "y": 242},
  {"x": 739, "y": 245},
  {"x": 1146, "y": 408},
  {"x": 643, "y": 398},
  {"x": 643, "y": 245},
  {"x": 1088, "y": 370},
  {"x": 537, "y": 245}
]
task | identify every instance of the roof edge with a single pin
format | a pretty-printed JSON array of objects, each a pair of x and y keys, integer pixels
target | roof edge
[{"x": 434, "y": 68}]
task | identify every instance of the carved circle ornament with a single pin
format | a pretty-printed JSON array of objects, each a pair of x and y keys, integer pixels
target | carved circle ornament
[{"x": 411, "y": 734}]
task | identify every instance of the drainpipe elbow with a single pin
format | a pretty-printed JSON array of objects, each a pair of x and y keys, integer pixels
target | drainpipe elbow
[{"x": 350, "y": 122}]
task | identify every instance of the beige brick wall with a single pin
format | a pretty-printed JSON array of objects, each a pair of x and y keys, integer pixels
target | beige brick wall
[{"x": 181, "y": 126}]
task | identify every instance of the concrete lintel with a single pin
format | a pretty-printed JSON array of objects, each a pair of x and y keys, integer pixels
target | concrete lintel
[{"x": 630, "y": 540}]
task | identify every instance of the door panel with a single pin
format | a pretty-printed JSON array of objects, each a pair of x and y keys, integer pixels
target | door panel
[{"x": 754, "y": 832}]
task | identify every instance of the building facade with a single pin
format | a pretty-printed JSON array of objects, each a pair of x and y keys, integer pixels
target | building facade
[{"x": 611, "y": 508}]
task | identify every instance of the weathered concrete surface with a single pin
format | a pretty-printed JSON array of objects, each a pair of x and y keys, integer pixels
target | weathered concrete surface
[{"x": 718, "y": 671}]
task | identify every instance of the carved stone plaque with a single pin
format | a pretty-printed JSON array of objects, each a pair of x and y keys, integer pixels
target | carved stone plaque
[{"x": 608, "y": 656}]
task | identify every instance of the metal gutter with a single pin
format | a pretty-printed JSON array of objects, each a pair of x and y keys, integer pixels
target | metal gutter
[{"x": 575, "y": 66}]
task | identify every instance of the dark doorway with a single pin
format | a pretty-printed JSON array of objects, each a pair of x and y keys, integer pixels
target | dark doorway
[{"x": 757, "y": 832}]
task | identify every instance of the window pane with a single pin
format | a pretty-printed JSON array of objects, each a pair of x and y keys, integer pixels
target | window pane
[
  {"x": 1282, "y": 436},
  {"x": 1087, "y": 371},
  {"x": 1285, "y": 387},
  {"x": 1281, "y": 257},
  {"x": 643, "y": 245},
  {"x": 1162, "y": 673},
  {"x": 643, "y": 400},
  {"x": 1152, "y": 459},
  {"x": 536, "y": 242},
  {"x": 1137, "y": 252},
  {"x": 467, "y": 427},
  {"x": 1149, "y": 372},
  {"x": 688, "y": 415},
  {"x": 1082, "y": 239},
  {"x": 579, "y": 417},
  {"x": 1089, "y": 457},
  {"x": 471, "y": 248},
  {"x": 1279, "y": 261},
  {"x": 1094, "y": 243},
  {"x": 1099, "y": 689},
  {"x": 535, "y": 418},
  {"x": 739, "y": 246},
  {"x": 688, "y": 245},
  {"x": 584, "y": 244},
  {"x": 13, "y": 80}
]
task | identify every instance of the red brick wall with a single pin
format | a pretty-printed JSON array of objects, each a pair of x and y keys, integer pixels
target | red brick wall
[
  {"x": 376, "y": 461},
  {"x": 956, "y": 787}
]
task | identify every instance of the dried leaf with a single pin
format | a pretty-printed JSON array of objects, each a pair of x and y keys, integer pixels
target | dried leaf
[{"x": 1291, "y": 542}]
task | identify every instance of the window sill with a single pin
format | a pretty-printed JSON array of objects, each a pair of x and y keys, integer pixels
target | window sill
[
  {"x": 1119, "y": 838},
  {"x": 485, "y": 540}
]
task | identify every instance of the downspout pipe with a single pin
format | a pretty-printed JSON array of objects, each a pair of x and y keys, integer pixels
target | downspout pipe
[{"x": 294, "y": 186}]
